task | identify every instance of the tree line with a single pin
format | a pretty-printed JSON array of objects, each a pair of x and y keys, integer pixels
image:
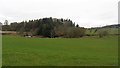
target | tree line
[{"x": 47, "y": 27}]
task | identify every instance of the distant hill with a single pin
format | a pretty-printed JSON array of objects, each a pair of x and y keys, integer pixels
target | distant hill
[
  {"x": 107, "y": 26},
  {"x": 112, "y": 26},
  {"x": 112, "y": 29}
]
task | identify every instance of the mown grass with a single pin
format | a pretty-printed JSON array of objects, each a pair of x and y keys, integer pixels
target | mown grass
[{"x": 86, "y": 51}]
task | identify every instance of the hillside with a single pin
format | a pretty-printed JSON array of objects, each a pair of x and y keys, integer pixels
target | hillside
[
  {"x": 112, "y": 26},
  {"x": 53, "y": 27},
  {"x": 112, "y": 29}
]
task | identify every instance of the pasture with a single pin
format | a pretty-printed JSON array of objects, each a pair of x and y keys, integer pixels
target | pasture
[{"x": 86, "y": 51}]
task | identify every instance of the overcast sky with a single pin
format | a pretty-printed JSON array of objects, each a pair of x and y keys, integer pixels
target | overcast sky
[{"x": 86, "y": 13}]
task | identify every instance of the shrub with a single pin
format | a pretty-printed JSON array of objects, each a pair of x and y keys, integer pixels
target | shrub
[
  {"x": 75, "y": 32},
  {"x": 102, "y": 33}
]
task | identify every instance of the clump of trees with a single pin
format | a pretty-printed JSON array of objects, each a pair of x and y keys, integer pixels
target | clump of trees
[
  {"x": 75, "y": 32},
  {"x": 47, "y": 27},
  {"x": 102, "y": 33}
]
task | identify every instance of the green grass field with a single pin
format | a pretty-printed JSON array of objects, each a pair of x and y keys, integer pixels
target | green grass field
[{"x": 86, "y": 51}]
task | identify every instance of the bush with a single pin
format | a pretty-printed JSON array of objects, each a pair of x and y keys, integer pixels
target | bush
[
  {"x": 102, "y": 33},
  {"x": 75, "y": 32}
]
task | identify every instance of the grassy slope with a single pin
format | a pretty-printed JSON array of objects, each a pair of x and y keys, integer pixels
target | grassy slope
[
  {"x": 110, "y": 31},
  {"x": 59, "y": 52}
]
